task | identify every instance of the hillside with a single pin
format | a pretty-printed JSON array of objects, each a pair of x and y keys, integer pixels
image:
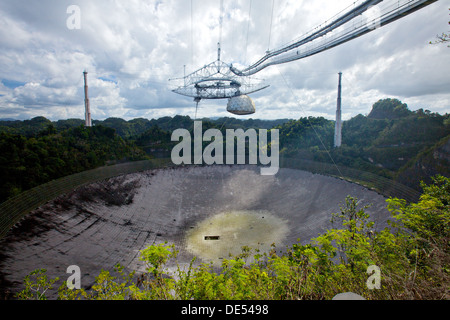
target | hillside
[
  {"x": 28, "y": 161},
  {"x": 389, "y": 109},
  {"x": 391, "y": 141},
  {"x": 430, "y": 162}
]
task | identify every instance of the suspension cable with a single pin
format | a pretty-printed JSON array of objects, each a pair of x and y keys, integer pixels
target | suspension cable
[
  {"x": 192, "y": 32},
  {"x": 270, "y": 28},
  {"x": 248, "y": 30},
  {"x": 221, "y": 21}
]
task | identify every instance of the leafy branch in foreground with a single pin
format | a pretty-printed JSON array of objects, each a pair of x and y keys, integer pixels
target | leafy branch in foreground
[
  {"x": 443, "y": 38},
  {"x": 37, "y": 284}
]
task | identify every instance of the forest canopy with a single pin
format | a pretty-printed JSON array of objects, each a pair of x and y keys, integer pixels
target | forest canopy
[{"x": 391, "y": 141}]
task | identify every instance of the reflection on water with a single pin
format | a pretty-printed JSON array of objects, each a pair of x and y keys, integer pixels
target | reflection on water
[{"x": 215, "y": 238}]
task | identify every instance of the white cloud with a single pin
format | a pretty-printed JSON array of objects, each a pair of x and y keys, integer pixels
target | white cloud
[{"x": 139, "y": 45}]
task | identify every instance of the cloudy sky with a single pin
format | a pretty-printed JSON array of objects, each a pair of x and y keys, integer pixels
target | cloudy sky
[{"x": 132, "y": 48}]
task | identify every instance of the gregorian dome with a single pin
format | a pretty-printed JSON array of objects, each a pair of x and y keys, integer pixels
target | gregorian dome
[{"x": 241, "y": 105}]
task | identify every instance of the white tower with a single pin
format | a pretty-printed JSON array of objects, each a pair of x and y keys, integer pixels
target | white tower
[
  {"x": 338, "y": 125},
  {"x": 86, "y": 102}
]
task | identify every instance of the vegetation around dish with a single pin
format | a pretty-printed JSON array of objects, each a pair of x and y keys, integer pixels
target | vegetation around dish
[
  {"x": 412, "y": 256},
  {"x": 391, "y": 141}
]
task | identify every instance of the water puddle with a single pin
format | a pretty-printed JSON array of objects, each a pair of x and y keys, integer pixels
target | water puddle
[{"x": 215, "y": 238}]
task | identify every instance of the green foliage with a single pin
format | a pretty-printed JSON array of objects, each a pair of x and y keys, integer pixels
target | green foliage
[
  {"x": 106, "y": 287},
  {"x": 26, "y": 162},
  {"x": 362, "y": 131},
  {"x": 389, "y": 109},
  {"x": 428, "y": 220},
  {"x": 306, "y": 133},
  {"x": 424, "y": 231},
  {"x": 419, "y": 128},
  {"x": 156, "y": 256},
  {"x": 412, "y": 254},
  {"x": 27, "y": 127},
  {"x": 233, "y": 123},
  {"x": 426, "y": 164},
  {"x": 392, "y": 142},
  {"x": 155, "y": 284},
  {"x": 37, "y": 284}
]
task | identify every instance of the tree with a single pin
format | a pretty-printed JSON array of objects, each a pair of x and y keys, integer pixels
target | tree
[
  {"x": 389, "y": 109},
  {"x": 443, "y": 38}
]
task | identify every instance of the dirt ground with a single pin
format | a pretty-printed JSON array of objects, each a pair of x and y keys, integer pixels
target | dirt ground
[{"x": 108, "y": 222}]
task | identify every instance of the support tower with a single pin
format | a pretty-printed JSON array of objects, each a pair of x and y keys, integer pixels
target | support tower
[
  {"x": 86, "y": 102},
  {"x": 338, "y": 125}
]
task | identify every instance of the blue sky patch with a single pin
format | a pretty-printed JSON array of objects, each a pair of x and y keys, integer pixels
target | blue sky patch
[
  {"x": 110, "y": 79},
  {"x": 12, "y": 84}
]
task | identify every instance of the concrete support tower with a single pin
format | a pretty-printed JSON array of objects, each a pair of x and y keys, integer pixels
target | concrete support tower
[
  {"x": 86, "y": 102},
  {"x": 338, "y": 125}
]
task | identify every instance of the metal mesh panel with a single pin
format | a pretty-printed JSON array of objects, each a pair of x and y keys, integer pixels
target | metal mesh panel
[{"x": 12, "y": 210}]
